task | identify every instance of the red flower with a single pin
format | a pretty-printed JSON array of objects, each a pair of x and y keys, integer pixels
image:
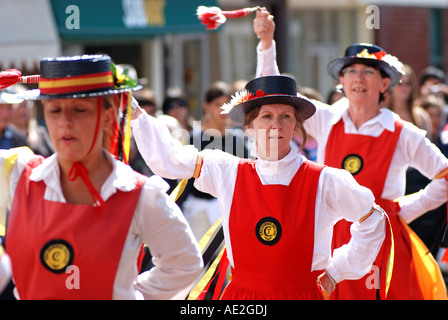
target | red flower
[
  {"x": 259, "y": 94},
  {"x": 379, "y": 55}
]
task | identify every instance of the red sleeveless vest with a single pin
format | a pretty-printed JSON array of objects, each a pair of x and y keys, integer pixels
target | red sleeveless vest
[
  {"x": 368, "y": 159},
  {"x": 44, "y": 238},
  {"x": 272, "y": 234}
]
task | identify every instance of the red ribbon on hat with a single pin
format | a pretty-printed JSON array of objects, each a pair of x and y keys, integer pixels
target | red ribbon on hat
[
  {"x": 259, "y": 94},
  {"x": 79, "y": 83}
]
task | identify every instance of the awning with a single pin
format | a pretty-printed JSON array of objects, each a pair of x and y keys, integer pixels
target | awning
[
  {"x": 27, "y": 33},
  {"x": 112, "y": 20}
]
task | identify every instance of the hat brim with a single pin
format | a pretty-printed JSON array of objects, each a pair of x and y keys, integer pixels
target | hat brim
[
  {"x": 335, "y": 67},
  {"x": 305, "y": 108},
  {"x": 35, "y": 94}
]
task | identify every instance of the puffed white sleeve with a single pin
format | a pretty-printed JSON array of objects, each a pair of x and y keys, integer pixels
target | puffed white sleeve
[
  {"x": 428, "y": 160},
  {"x": 416, "y": 204},
  {"x": 218, "y": 173},
  {"x": 176, "y": 255},
  {"x": 163, "y": 154},
  {"x": 343, "y": 198},
  {"x": 267, "y": 61}
]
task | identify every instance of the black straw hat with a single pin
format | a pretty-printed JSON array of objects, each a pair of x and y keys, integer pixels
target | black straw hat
[
  {"x": 367, "y": 53},
  {"x": 267, "y": 90},
  {"x": 79, "y": 77}
]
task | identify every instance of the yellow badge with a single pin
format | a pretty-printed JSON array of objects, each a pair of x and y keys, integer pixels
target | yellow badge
[
  {"x": 268, "y": 231},
  {"x": 353, "y": 163},
  {"x": 56, "y": 255}
]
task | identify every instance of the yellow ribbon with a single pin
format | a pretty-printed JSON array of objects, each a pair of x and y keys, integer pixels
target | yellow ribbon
[
  {"x": 176, "y": 193},
  {"x": 390, "y": 260},
  {"x": 127, "y": 136},
  {"x": 8, "y": 163},
  {"x": 199, "y": 287}
]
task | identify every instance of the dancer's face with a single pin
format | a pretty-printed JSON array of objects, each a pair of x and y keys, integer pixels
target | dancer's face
[
  {"x": 274, "y": 128},
  {"x": 363, "y": 83},
  {"x": 71, "y": 124}
]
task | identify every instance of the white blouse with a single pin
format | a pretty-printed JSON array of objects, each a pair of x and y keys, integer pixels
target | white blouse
[
  {"x": 338, "y": 195},
  {"x": 5, "y": 270},
  {"x": 157, "y": 222},
  {"x": 413, "y": 148}
]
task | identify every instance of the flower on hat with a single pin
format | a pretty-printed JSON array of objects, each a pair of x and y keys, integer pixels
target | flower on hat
[
  {"x": 394, "y": 62},
  {"x": 376, "y": 55},
  {"x": 121, "y": 79},
  {"x": 382, "y": 56},
  {"x": 240, "y": 97}
]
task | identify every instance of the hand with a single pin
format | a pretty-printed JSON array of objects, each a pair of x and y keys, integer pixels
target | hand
[
  {"x": 444, "y": 89},
  {"x": 264, "y": 28},
  {"x": 440, "y": 89},
  {"x": 136, "y": 110},
  {"x": 327, "y": 282}
]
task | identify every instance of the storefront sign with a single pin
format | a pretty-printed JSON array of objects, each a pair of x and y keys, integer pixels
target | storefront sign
[{"x": 87, "y": 20}]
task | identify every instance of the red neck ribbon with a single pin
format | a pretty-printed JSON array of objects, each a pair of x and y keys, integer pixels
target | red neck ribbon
[{"x": 79, "y": 170}]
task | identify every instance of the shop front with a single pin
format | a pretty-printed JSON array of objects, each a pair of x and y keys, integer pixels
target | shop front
[{"x": 162, "y": 39}]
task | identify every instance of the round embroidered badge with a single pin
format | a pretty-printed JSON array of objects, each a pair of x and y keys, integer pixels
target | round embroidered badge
[
  {"x": 352, "y": 163},
  {"x": 268, "y": 231},
  {"x": 56, "y": 255}
]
